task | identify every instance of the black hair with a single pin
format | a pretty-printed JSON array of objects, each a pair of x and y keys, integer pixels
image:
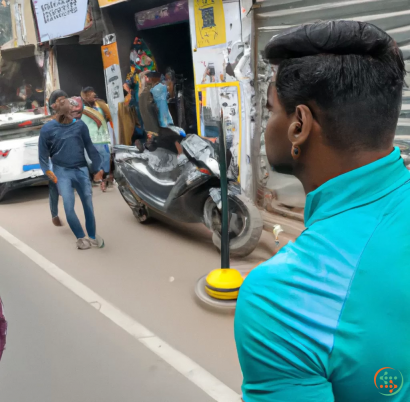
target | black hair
[
  {"x": 88, "y": 89},
  {"x": 352, "y": 71},
  {"x": 58, "y": 93}
]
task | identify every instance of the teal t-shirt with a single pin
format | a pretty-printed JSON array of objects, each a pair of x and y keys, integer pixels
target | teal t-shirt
[{"x": 328, "y": 318}]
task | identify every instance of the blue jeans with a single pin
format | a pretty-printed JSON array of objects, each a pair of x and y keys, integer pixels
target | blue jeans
[
  {"x": 53, "y": 198},
  {"x": 68, "y": 180}
]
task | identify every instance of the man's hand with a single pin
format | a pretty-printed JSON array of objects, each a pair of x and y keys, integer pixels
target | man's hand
[
  {"x": 99, "y": 176},
  {"x": 52, "y": 176}
]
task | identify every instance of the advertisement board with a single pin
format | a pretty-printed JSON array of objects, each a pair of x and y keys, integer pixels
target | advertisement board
[
  {"x": 209, "y": 23},
  {"x": 56, "y": 19}
]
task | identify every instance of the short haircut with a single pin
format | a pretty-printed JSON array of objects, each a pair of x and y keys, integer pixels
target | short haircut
[
  {"x": 352, "y": 71},
  {"x": 88, "y": 89},
  {"x": 58, "y": 93}
]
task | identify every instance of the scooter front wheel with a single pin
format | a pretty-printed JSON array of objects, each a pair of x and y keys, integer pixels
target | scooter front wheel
[
  {"x": 142, "y": 214},
  {"x": 140, "y": 211},
  {"x": 245, "y": 225}
]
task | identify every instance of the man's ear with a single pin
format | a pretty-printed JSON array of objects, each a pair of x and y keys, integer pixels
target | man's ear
[
  {"x": 54, "y": 106},
  {"x": 301, "y": 127}
]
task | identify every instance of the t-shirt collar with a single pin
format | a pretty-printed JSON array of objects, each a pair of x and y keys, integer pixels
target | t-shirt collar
[{"x": 356, "y": 188}]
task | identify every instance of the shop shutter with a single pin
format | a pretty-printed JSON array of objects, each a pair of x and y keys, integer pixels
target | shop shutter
[{"x": 272, "y": 16}]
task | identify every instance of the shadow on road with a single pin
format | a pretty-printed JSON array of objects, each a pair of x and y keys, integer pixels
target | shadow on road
[{"x": 26, "y": 194}]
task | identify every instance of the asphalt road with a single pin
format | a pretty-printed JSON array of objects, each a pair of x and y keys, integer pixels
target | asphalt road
[{"x": 61, "y": 348}]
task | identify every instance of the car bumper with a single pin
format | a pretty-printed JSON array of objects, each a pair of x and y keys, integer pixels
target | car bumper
[{"x": 13, "y": 185}]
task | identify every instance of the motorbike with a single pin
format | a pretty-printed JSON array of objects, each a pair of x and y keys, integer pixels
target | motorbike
[{"x": 186, "y": 188}]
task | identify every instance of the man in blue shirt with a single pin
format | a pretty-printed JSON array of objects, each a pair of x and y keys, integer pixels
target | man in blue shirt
[
  {"x": 64, "y": 140},
  {"x": 327, "y": 319}
]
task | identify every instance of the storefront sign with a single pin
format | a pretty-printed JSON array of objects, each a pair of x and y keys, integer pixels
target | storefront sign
[
  {"x": 166, "y": 15},
  {"x": 209, "y": 23},
  {"x": 106, "y": 3},
  {"x": 59, "y": 18},
  {"x": 113, "y": 82}
]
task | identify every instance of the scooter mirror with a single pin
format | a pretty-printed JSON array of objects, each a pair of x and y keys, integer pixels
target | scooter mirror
[{"x": 213, "y": 166}]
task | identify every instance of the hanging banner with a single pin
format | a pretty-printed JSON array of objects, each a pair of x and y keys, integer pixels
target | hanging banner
[
  {"x": 209, "y": 23},
  {"x": 113, "y": 84},
  {"x": 106, "y": 3},
  {"x": 165, "y": 15},
  {"x": 56, "y": 19}
]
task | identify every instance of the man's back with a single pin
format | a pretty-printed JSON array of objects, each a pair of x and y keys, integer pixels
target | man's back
[{"x": 317, "y": 322}]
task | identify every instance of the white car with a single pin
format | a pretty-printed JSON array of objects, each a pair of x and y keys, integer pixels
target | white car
[{"x": 19, "y": 164}]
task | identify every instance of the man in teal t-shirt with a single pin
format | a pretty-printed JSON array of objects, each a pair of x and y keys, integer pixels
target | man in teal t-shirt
[{"x": 328, "y": 318}]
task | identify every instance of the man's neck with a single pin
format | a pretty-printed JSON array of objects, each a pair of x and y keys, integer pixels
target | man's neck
[
  {"x": 331, "y": 165},
  {"x": 64, "y": 119}
]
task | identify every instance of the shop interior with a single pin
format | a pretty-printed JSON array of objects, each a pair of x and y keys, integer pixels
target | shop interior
[
  {"x": 21, "y": 84},
  {"x": 165, "y": 49}
]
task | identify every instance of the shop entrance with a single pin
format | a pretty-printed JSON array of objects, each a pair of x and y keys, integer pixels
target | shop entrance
[
  {"x": 171, "y": 47},
  {"x": 165, "y": 35},
  {"x": 80, "y": 66}
]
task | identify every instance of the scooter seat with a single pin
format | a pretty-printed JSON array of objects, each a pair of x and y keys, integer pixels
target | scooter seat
[{"x": 161, "y": 160}]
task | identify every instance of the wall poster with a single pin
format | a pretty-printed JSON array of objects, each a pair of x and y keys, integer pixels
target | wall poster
[
  {"x": 209, "y": 23},
  {"x": 113, "y": 82}
]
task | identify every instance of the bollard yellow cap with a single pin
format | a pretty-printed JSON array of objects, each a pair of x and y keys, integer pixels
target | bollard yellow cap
[{"x": 224, "y": 284}]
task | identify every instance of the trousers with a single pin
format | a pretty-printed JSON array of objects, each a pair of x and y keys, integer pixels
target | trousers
[{"x": 78, "y": 179}]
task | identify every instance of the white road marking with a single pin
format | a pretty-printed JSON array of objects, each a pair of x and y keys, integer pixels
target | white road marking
[{"x": 183, "y": 364}]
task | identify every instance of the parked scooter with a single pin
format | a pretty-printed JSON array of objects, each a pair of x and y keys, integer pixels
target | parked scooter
[{"x": 186, "y": 188}]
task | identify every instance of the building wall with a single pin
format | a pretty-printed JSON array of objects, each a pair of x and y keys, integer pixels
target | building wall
[{"x": 270, "y": 17}]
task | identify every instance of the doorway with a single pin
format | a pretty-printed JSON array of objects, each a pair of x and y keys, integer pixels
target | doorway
[{"x": 80, "y": 66}]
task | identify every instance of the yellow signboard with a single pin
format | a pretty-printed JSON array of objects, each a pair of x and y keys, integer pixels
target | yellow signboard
[
  {"x": 105, "y": 3},
  {"x": 209, "y": 22},
  {"x": 110, "y": 55}
]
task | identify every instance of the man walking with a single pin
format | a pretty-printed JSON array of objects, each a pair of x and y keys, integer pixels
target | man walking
[
  {"x": 64, "y": 141},
  {"x": 53, "y": 189}
]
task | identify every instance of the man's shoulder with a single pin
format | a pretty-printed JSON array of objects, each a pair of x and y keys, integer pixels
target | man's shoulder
[
  {"x": 48, "y": 127},
  {"x": 80, "y": 124}
]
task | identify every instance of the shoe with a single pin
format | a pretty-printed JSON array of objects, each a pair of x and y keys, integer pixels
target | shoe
[
  {"x": 56, "y": 221},
  {"x": 83, "y": 244},
  {"x": 97, "y": 242}
]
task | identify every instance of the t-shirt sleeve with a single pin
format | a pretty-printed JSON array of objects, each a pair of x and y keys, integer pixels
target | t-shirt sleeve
[
  {"x": 276, "y": 366},
  {"x": 43, "y": 150}
]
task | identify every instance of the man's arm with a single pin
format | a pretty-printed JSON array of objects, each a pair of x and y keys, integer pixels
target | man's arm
[
  {"x": 43, "y": 152},
  {"x": 44, "y": 156},
  {"x": 90, "y": 148},
  {"x": 276, "y": 366}
]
